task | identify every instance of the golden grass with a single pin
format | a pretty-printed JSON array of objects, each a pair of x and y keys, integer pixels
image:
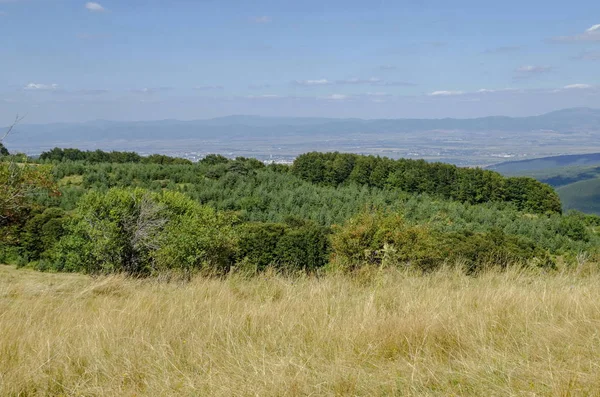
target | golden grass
[{"x": 381, "y": 333}]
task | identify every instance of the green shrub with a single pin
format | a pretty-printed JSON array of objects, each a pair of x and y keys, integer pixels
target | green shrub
[
  {"x": 42, "y": 231},
  {"x": 196, "y": 237},
  {"x": 138, "y": 232},
  {"x": 479, "y": 250},
  {"x": 295, "y": 245},
  {"x": 373, "y": 237},
  {"x": 376, "y": 238},
  {"x": 257, "y": 244},
  {"x": 303, "y": 246}
]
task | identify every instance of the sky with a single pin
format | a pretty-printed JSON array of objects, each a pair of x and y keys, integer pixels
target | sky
[{"x": 69, "y": 60}]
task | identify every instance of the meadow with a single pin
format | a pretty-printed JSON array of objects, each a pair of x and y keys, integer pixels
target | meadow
[{"x": 375, "y": 332}]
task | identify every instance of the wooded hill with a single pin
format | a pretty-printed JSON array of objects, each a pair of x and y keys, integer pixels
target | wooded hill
[{"x": 144, "y": 215}]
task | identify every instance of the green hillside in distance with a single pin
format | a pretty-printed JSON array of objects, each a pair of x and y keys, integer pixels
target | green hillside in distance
[
  {"x": 546, "y": 165},
  {"x": 576, "y": 178},
  {"x": 582, "y": 196}
]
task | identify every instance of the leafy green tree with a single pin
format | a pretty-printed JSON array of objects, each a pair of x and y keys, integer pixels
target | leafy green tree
[
  {"x": 42, "y": 231},
  {"x": 20, "y": 183},
  {"x": 213, "y": 159},
  {"x": 138, "y": 232},
  {"x": 196, "y": 237},
  {"x": 470, "y": 185},
  {"x": 257, "y": 244},
  {"x": 114, "y": 231}
]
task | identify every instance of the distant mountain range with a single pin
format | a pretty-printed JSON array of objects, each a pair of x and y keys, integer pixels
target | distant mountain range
[
  {"x": 478, "y": 141},
  {"x": 565, "y": 121}
]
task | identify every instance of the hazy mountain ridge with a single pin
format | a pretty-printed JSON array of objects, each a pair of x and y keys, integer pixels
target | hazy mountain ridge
[
  {"x": 479, "y": 141},
  {"x": 562, "y": 121}
]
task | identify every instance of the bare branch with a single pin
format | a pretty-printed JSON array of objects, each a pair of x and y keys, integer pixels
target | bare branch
[{"x": 18, "y": 119}]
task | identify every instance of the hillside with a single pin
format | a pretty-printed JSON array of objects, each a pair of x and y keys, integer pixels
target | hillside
[
  {"x": 582, "y": 196},
  {"x": 548, "y": 165},
  {"x": 576, "y": 178},
  {"x": 148, "y": 215}
]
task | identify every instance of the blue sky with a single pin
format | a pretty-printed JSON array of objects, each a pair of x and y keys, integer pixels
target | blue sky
[{"x": 65, "y": 60}]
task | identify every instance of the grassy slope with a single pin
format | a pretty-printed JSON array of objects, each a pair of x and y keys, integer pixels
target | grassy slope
[
  {"x": 379, "y": 333},
  {"x": 578, "y": 186},
  {"x": 583, "y": 196}
]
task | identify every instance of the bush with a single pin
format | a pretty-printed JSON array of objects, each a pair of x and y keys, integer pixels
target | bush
[
  {"x": 376, "y": 238},
  {"x": 196, "y": 237},
  {"x": 303, "y": 246},
  {"x": 42, "y": 231},
  {"x": 295, "y": 245},
  {"x": 258, "y": 242},
  {"x": 573, "y": 226},
  {"x": 138, "y": 232},
  {"x": 480, "y": 250}
]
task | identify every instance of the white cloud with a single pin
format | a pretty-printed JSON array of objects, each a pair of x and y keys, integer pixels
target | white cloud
[
  {"x": 371, "y": 80},
  {"x": 577, "y": 86},
  {"x": 209, "y": 87},
  {"x": 492, "y": 91},
  {"x": 533, "y": 69},
  {"x": 313, "y": 82},
  {"x": 395, "y": 84},
  {"x": 530, "y": 71},
  {"x": 261, "y": 19},
  {"x": 40, "y": 87},
  {"x": 259, "y": 86},
  {"x": 265, "y": 96},
  {"x": 446, "y": 93},
  {"x": 150, "y": 91},
  {"x": 478, "y": 94},
  {"x": 591, "y": 34},
  {"x": 593, "y": 28},
  {"x": 94, "y": 7},
  {"x": 337, "y": 97}
]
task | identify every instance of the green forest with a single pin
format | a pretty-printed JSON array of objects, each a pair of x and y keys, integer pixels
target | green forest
[{"x": 118, "y": 212}]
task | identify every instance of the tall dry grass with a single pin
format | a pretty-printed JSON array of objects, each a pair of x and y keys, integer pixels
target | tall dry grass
[{"x": 379, "y": 333}]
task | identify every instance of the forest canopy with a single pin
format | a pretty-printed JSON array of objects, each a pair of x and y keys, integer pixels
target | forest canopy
[
  {"x": 470, "y": 185},
  {"x": 105, "y": 212}
]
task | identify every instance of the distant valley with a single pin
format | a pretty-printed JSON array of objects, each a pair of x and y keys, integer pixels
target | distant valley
[{"x": 467, "y": 142}]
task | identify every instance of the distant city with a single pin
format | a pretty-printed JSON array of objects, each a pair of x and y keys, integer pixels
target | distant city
[{"x": 465, "y": 142}]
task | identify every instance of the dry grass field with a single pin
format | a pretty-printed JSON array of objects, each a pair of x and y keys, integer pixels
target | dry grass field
[{"x": 379, "y": 333}]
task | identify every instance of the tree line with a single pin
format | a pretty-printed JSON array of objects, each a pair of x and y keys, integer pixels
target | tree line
[
  {"x": 100, "y": 156},
  {"x": 470, "y": 185},
  {"x": 220, "y": 215}
]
